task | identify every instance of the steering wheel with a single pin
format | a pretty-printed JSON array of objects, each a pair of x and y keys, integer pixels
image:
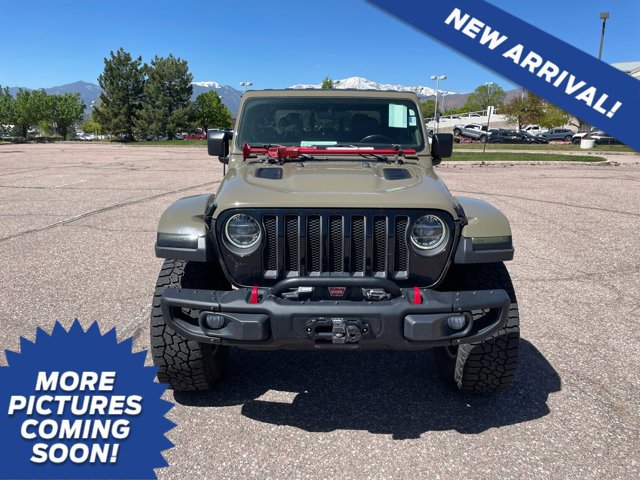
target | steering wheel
[{"x": 376, "y": 138}]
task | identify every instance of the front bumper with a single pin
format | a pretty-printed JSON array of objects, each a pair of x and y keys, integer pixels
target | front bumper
[{"x": 407, "y": 319}]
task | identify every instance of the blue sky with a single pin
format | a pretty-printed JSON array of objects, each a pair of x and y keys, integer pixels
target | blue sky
[{"x": 276, "y": 43}]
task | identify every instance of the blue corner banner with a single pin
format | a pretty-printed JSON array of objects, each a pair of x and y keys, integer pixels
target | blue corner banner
[
  {"x": 556, "y": 71},
  {"x": 78, "y": 404}
]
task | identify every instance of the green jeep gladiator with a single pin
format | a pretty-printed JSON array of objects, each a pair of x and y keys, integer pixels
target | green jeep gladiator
[{"x": 331, "y": 230}]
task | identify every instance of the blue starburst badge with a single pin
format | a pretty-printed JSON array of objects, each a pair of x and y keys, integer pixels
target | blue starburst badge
[{"x": 78, "y": 404}]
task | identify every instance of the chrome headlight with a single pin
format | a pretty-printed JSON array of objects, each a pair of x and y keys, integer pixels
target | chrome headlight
[
  {"x": 428, "y": 232},
  {"x": 242, "y": 231}
]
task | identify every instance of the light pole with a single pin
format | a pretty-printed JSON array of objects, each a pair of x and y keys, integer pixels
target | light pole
[
  {"x": 603, "y": 16},
  {"x": 246, "y": 85},
  {"x": 436, "y": 119},
  {"x": 488, "y": 85}
]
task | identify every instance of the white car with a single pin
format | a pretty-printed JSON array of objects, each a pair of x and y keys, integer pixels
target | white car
[{"x": 535, "y": 129}]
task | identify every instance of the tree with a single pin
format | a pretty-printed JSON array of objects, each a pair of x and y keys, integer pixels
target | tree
[
  {"x": 484, "y": 96},
  {"x": 28, "y": 109},
  {"x": 428, "y": 108},
  {"x": 327, "y": 83},
  {"x": 92, "y": 126},
  {"x": 522, "y": 110},
  {"x": 122, "y": 83},
  {"x": 210, "y": 112},
  {"x": 6, "y": 106},
  {"x": 64, "y": 111},
  {"x": 167, "y": 97},
  {"x": 554, "y": 117}
]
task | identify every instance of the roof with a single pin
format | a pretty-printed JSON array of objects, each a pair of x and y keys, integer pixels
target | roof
[{"x": 627, "y": 67}]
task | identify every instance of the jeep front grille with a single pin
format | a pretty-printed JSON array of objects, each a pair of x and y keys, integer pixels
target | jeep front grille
[{"x": 353, "y": 244}]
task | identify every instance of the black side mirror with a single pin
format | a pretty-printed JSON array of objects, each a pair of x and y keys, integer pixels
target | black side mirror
[
  {"x": 441, "y": 147},
  {"x": 218, "y": 145}
]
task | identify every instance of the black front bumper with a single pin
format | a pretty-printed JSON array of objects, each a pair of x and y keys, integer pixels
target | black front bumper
[{"x": 399, "y": 322}]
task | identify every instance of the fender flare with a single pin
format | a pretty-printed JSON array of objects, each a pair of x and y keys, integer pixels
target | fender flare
[
  {"x": 486, "y": 237},
  {"x": 183, "y": 230}
]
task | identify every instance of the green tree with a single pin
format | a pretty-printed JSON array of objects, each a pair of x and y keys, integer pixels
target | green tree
[
  {"x": 428, "y": 108},
  {"x": 6, "y": 106},
  {"x": 210, "y": 112},
  {"x": 29, "y": 108},
  {"x": 122, "y": 83},
  {"x": 554, "y": 117},
  {"x": 91, "y": 125},
  {"x": 65, "y": 111},
  {"x": 524, "y": 109},
  {"x": 484, "y": 96},
  {"x": 167, "y": 97},
  {"x": 327, "y": 83}
]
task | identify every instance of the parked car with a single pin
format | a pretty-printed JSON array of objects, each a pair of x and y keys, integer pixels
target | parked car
[
  {"x": 600, "y": 137},
  {"x": 512, "y": 136},
  {"x": 559, "y": 134},
  {"x": 535, "y": 129},
  {"x": 195, "y": 136},
  {"x": 472, "y": 130}
]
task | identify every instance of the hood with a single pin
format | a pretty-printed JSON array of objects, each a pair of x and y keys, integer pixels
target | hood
[{"x": 327, "y": 184}]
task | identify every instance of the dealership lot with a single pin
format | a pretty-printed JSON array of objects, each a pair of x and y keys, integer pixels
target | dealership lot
[{"x": 78, "y": 227}]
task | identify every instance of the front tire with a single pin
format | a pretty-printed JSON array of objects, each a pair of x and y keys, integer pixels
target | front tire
[
  {"x": 184, "y": 364},
  {"x": 457, "y": 132},
  {"x": 488, "y": 366}
]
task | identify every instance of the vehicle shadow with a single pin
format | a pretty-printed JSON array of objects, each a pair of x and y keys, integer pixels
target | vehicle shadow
[{"x": 396, "y": 393}]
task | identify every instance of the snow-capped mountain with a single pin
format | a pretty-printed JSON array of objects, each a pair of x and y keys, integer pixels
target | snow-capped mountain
[{"x": 359, "y": 83}]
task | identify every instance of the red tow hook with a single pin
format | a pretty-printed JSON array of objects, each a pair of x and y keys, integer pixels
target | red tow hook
[
  {"x": 254, "y": 295},
  {"x": 417, "y": 296}
]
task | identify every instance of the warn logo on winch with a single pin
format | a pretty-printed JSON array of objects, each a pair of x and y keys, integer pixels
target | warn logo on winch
[{"x": 337, "y": 291}]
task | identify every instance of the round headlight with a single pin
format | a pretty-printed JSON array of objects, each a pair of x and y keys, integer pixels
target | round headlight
[
  {"x": 242, "y": 231},
  {"x": 428, "y": 232}
]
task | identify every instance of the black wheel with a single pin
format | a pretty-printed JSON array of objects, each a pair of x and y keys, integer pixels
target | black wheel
[
  {"x": 576, "y": 141},
  {"x": 457, "y": 131},
  {"x": 184, "y": 364},
  {"x": 568, "y": 138},
  {"x": 488, "y": 366},
  {"x": 483, "y": 139}
]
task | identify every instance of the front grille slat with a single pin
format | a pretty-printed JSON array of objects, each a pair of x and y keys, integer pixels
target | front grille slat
[
  {"x": 314, "y": 243},
  {"x": 335, "y": 240},
  {"x": 380, "y": 239},
  {"x": 292, "y": 243},
  {"x": 304, "y": 244},
  {"x": 270, "y": 253},
  {"x": 358, "y": 244}
]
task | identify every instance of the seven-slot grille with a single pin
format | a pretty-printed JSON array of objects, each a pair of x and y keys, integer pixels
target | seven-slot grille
[{"x": 355, "y": 244}]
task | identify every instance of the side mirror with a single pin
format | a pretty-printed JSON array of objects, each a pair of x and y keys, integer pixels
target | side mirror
[
  {"x": 441, "y": 147},
  {"x": 218, "y": 145}
]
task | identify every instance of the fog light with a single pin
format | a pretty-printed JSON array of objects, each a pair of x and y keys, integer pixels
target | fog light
[
  {"x": 457, "y": 322},
  {"x": 213, "y": 321}
]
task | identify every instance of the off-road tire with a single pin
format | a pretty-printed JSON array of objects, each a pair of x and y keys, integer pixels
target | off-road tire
[
  {"x": 488, "y": 366},
  {"x": 184, "y": 364}
]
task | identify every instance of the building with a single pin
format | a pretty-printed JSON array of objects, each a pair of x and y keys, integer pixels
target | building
[{"x": 632, "y": 68}]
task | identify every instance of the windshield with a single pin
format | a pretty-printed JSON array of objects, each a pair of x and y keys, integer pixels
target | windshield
[{"x": 309, "y": 122}]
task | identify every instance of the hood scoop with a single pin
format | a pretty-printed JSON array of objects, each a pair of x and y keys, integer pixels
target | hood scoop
[
  {"x": 396, "y": 173},
  {"x": 271, "y": 173}
]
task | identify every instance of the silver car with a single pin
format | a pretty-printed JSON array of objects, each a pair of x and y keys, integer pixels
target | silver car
[{"x": 472, "y": 130}]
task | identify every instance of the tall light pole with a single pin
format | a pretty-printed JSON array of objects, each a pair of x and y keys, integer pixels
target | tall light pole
[
  {"x": 437, "y": 78},
  {"x": 489, "y": 85},
  {"x": 246, "y": 85},
  {"x": 603, "y": 16}
]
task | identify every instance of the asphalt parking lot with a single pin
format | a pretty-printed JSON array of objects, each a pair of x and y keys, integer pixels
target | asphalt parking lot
[{"x": 78, "y": 227}]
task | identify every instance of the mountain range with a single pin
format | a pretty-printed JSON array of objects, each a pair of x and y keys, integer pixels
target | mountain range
[
  {"x": 90, "y": 92},
  {"x": 359, "y": 83}
]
